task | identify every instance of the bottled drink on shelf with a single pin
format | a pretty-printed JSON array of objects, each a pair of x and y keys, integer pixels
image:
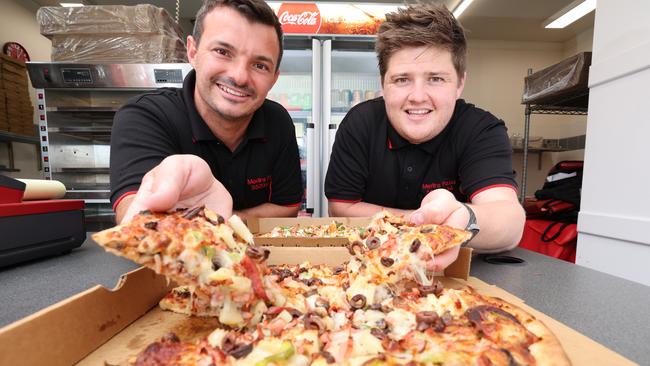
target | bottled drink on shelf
[
  {"x": 356, "y": 98},
  {"x": 347, "y": 98}
]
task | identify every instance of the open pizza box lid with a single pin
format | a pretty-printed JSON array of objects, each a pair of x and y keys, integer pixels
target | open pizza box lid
[{"x": 102, "y": 326}]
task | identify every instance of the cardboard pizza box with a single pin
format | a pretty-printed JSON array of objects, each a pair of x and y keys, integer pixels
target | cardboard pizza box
[
  {"x": 260, "y": 226},
  {"x": 109, "y": 327}
]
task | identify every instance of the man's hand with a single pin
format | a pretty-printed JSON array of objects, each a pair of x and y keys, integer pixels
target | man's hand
[
  {"x": 179, "y": 181},
  {"x": 440, "y": 207}
]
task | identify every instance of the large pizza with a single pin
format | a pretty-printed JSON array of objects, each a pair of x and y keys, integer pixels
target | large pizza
[{"x": 382, "y": 307}]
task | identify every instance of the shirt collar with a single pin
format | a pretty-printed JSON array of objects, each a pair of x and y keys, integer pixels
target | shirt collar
[{"x": 200, "y": 129}]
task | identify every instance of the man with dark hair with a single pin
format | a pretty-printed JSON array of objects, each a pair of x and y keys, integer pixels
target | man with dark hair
[
  {"x": 217, "y": 141},
  {"x": 420, "y": 150}
]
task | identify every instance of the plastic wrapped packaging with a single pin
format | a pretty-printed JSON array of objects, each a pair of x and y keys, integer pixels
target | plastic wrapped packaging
[
  {"x": 155, "y": 48},
  {"x": 563, "y": 84},
  {"x": 112, "y": 34},
  {"x": 109, "y": 19}
]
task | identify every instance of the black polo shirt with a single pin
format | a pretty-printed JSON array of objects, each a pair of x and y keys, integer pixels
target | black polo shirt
[
  {"x": 265, "y": 167},
  {"x": 371, "y": 162}
]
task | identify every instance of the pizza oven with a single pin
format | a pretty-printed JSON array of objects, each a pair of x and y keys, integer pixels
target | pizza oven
[{"x": 75, "y": 106}]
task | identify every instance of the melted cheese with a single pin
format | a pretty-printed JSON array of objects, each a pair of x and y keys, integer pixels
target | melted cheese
[
  {"x": 365, "y": 344},
  {"x": 400, "y": 323}
]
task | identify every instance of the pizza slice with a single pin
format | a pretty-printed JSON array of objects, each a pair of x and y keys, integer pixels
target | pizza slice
[
  {"x": 198, "y": 248},
  {"x": 391, "y": 251}
]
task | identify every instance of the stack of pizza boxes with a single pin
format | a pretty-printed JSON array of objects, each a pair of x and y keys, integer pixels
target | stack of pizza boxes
[
  {"x": 112, "y": 34},
  {"x": 16, "y": 110}
]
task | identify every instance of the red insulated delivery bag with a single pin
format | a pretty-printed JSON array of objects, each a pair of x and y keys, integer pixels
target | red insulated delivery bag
[{"x": 553, "y": 238}]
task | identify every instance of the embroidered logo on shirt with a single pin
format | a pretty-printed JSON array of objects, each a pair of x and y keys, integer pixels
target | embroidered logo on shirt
[
  {"x": 255, "y": 184},
  {"x": 449, "y": 185}
]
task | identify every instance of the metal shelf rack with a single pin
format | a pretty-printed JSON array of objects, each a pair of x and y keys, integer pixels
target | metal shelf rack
[{"x": 573, "y": 105}]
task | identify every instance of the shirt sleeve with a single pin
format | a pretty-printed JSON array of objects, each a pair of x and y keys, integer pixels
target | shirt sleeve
[
  {"x": 487, "y": 159},
  {"x": 139, "y": 141},
  {"x": 348, "y": 168},
  {"x": 286, "y": 182}
]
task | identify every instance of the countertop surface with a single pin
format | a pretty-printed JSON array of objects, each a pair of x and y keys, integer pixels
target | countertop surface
[{"x": 610, "y": 310}]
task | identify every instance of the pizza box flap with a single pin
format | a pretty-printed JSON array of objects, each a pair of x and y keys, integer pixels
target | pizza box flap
[{"x": 65, "y": 332}]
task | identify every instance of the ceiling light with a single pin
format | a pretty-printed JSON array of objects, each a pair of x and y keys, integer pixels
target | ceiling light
[
  {"x": 461, "y": 7},
  {"x": 71, "y": 5},
  {"x": 570, "y": 13}
]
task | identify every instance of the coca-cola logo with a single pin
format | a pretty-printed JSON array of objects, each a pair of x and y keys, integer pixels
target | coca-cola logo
[{"x": 304, "y": 18}]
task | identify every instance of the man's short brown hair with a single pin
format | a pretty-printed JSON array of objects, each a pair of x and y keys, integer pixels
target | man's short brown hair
[
  {"x": 256, "y": 11},
  {"x": 421, "y": 25}
]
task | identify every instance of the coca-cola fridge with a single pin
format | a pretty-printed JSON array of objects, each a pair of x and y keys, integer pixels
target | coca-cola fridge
[{"x": 329, "y": 65}]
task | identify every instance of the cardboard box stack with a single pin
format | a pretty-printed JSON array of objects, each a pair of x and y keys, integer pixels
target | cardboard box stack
[
  {"x": 112, "y": 34},
  {"x": 16, "y": 110}
]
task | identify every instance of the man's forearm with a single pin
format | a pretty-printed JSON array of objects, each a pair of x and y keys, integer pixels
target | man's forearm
[
  {"x": 361, "y": 209},
  {"x": 501, "y": 224},
  {"x": 268, "y": 210}
]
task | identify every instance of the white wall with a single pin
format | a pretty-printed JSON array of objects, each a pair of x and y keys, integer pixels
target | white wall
[
  {"x": 614, "y": 218},
  {"x": 495, "y": 82},
  {"x": 18, "y": 24}
]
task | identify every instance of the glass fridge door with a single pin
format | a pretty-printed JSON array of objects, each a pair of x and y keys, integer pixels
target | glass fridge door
[
  {"x": 351, "y": 76},
  {"x": 297, "y": 89}
]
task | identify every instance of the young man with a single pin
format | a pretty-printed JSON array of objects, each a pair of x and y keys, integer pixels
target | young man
[
  {"x": 420, "y": 150},
  {"x": 217, "y": 141}
]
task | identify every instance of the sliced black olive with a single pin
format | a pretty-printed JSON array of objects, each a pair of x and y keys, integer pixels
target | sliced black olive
[
  {"x": 322, "y": 302},
  {"x": 241, "y": 351},
  {"x": 229, "y": 343},
  {"x": 185, "y": 293},
  {"x": 314, "y": 282},
  {"x": 387, "y": 261},
  {"x": 151, "y": 225},
  {"x": 353, "y": 245},
  {"x": 435, "y": 289},
  {"x": 193, "y": 212},
  {"x": 215, "y": 263},
  {"x": 379, "y": 334},
  {"x": 478, "y": 314},
  {"x": 313, "y": 321},
  {"x": 358, "y": 301},
  {"x": 426, "y": 316},
  {"x": 415, "y": 245},
  {"x": 294, "y": 312},
  {"x": 311, "y": 292},
  {"x": 328, "y": 357},
  {"x": 372, "y": 242},
  {"x": 439, "y": 325}
]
